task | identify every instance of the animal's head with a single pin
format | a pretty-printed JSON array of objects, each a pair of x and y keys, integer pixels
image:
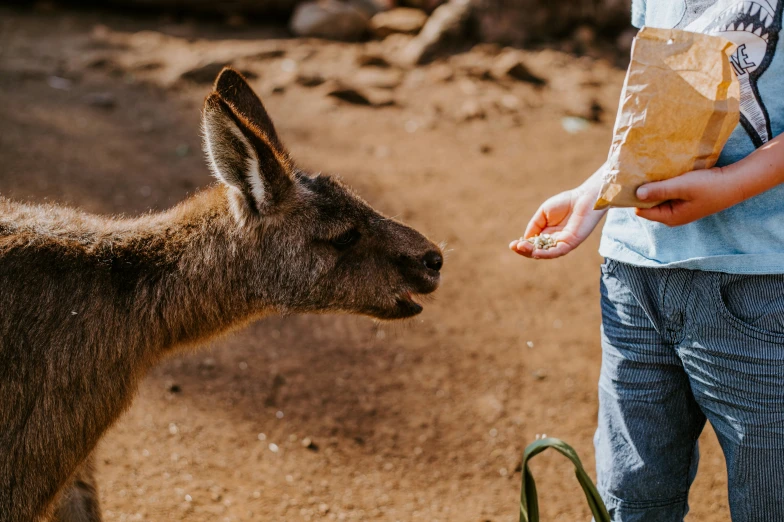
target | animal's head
[{"x": 318, "y": 246}]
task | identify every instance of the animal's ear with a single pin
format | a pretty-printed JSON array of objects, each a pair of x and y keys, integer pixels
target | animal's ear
[
  {"x": 234, "y": 89},
  {"x": 241, "y": 155}
]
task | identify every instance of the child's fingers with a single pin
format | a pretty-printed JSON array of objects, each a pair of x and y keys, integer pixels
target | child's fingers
[
  {"x": 537, "y": 224},
  {"x": 666, "y": 213},
  {"x": 524, "y": 248},
  {"x": 675, "y": 188}
]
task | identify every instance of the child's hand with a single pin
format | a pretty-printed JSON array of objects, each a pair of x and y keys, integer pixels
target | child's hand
[
  {"x": 568, "y": 217},
  {"x": 701, "y": 193},
  {"x": 690, "y": 196}
]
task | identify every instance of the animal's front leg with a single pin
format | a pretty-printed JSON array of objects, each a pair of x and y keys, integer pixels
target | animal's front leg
[{"x": 79, "y": 500}]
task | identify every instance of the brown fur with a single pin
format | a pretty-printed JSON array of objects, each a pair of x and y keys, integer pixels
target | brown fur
[{"x": 89, "y": 304}]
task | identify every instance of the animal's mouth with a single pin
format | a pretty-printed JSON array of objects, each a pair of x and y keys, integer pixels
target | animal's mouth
[
  {"x": 405, "y": 305},
  {"x": 408, "y": 305}
]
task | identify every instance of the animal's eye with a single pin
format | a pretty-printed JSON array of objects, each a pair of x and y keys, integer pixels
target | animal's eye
[{"x": 346, "y": 239}]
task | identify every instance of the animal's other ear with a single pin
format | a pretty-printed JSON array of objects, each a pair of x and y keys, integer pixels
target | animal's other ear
[
  {"x": 242, "y": 156},
  {"x": 234, "y": 89}
]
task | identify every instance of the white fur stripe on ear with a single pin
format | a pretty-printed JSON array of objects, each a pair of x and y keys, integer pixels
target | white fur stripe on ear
[
  {"x": 253, "y": 174},
  {"x": 231, "y": 157}
]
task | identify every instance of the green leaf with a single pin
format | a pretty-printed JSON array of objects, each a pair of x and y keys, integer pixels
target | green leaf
[{"x": 529, "y": 503}]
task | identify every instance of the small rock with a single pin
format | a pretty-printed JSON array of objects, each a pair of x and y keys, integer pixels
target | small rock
[
  {"x": 308, "y": 443},
  {"x": 509, "y": 66},
  {"x": 175, "y": 388},
  {"x": 269, "y": 54},
  {"x": 379, "y": 78},
  {"x": 441, "y": 73},
  {"x": 487, "y": 48},
  {"x": 372, "y": 60},
  {"x": 204, "y": 73},
  {"x": 208, "y": 72},
  {"x": 349, "y": 95},
  {"x": 310, "y": 79},
  {"x": 540, "y": 375},
  {"x": 404, "y": 20},
  {"x": 59, "y": 83},
  {"x": 329, "y": 19},
  {"x": 355, "y": 96},
  {"x": 485, "y": 148},
  {"x": 574, "y": 125},
  {"x": 447, "y": 20},
  {"x": 371, "y": 7},
  {"x": 103, "y": 100},
  {"x": 510, "y": 102},
  {"x": 471, "y": 110}
]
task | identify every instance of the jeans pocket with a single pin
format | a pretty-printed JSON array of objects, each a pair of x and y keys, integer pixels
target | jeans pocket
[
  {"x": 608, "y": 266},
  {"x": 753, "y": 305}
]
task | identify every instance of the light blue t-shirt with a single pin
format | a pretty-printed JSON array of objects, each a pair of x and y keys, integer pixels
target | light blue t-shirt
[{"x": 747, "y": 238}]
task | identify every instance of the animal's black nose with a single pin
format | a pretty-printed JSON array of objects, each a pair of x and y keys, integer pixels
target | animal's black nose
[{"x": 433, "y": 260}]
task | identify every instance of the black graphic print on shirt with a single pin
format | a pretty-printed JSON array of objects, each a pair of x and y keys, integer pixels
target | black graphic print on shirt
[{"x": 753, "y": 25}]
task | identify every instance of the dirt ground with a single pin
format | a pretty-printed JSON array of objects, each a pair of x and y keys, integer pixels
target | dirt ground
[{"x": 420, "y": 421}]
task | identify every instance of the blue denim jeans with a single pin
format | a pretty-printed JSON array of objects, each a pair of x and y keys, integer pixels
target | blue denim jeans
[{"x": 679, "y": 347}]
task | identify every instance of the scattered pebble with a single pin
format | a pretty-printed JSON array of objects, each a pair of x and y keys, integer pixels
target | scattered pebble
[
  {"x": 308, "y": 443},
  {"x": 288, "y": 65},
  {"x": 574, "y": 124},
  {"x": 61, "y": 84}
]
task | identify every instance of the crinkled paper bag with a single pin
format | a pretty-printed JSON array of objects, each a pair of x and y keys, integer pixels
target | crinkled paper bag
[{"x": 679, "y": 105}]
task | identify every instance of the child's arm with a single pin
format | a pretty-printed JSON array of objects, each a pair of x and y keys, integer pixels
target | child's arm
[{"x": 701, "y": 193}]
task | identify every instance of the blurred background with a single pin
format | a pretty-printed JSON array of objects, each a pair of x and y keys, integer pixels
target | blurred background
[{"x": 457, "y": 117}]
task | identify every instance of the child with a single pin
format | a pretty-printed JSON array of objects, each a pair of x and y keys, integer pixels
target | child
[{"x": 693, "y": 296}]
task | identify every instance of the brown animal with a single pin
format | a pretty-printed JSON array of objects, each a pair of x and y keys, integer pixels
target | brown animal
[{"x": 89, "y": 304}]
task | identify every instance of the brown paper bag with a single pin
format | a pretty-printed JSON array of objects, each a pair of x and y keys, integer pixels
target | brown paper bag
[{"x": 679, "y": 105}]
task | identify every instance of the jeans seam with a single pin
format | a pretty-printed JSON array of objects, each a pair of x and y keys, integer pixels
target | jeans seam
[{"x": 688, "y": 473}]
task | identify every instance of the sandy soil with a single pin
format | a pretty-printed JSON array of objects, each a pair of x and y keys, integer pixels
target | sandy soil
[{"x": 421, "y": 421}]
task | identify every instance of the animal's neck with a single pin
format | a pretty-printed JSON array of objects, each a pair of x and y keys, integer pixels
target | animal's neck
[{"x": 195, "y": 277}]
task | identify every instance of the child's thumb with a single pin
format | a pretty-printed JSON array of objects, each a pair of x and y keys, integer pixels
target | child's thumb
[{"x": 660, "y": 190}]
